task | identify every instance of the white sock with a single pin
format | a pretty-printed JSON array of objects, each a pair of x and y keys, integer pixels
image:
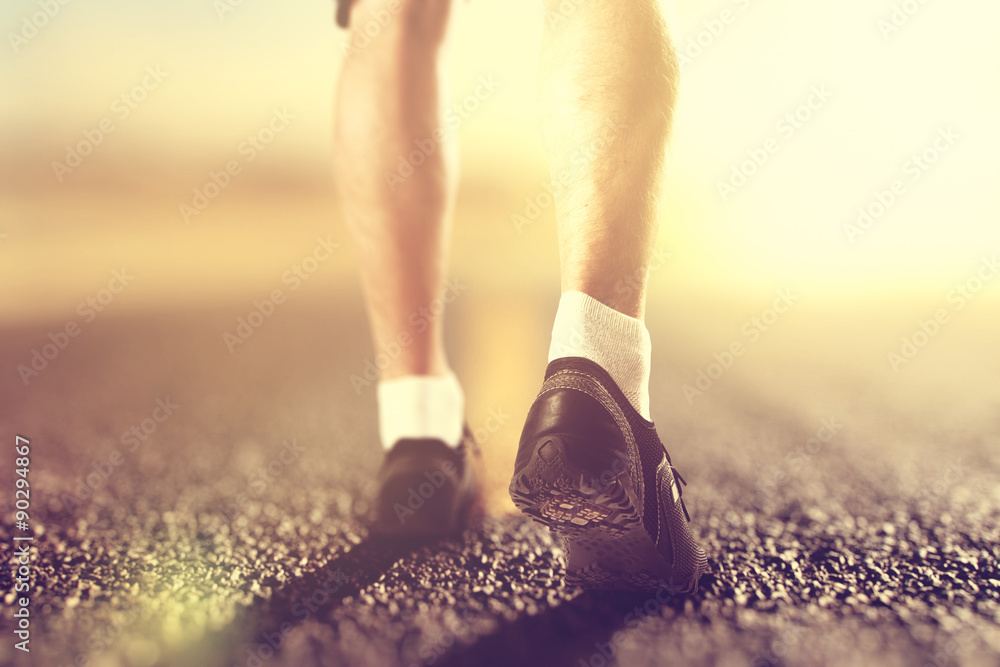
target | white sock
[
  {"x": 421, "y": 406},
  {"x": 619, "y": 344}
]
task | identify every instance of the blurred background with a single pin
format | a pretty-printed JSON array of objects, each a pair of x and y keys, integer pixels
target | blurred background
[
  {"x": 832, "y": 215},
  {"x": 225, "y": 68}
]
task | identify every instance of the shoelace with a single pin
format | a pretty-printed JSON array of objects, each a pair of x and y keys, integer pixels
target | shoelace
[{"x": 683, "y": 483}]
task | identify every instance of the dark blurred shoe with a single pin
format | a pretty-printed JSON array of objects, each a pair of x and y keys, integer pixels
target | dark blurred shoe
[
  {"x": 592, "y": 469},
  {"x": 428, "y": 489}
]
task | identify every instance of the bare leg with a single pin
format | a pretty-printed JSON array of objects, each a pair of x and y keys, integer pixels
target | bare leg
[
  {"x": 608, "y": 88},
  {"x": 396, "y": 175},
  {"x": 398, "y": 207},
  {"x": 608, "y": 83}
]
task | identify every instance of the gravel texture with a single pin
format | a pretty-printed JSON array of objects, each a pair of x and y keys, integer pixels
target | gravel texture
[{"x": 212, "y": 542}]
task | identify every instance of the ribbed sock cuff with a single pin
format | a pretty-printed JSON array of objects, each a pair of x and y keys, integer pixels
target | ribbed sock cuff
[{"x": 585, "y": 327}]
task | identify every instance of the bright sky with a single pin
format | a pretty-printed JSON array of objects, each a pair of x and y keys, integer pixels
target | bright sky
[{"x": 879, "y": 99}]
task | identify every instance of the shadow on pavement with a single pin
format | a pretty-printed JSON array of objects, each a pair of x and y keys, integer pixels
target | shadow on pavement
[
  {"x": 582, "y": 632},
  {"x": 322, "y": 590}
]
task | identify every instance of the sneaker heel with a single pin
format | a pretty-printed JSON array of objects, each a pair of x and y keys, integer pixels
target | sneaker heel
[{"x": 567, "y": 498}]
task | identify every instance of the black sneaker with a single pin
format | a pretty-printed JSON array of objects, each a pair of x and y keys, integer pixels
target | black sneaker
[
  {"x": 593, "y": 470},
  {"x": 428, "y": 489}
]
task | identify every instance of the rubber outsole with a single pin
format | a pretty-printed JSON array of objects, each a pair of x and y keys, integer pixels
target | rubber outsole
[{"x": 595, "y": 514}]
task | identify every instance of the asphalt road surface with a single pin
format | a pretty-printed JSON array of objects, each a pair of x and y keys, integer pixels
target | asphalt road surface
[{"x": 192, "y": 506}]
